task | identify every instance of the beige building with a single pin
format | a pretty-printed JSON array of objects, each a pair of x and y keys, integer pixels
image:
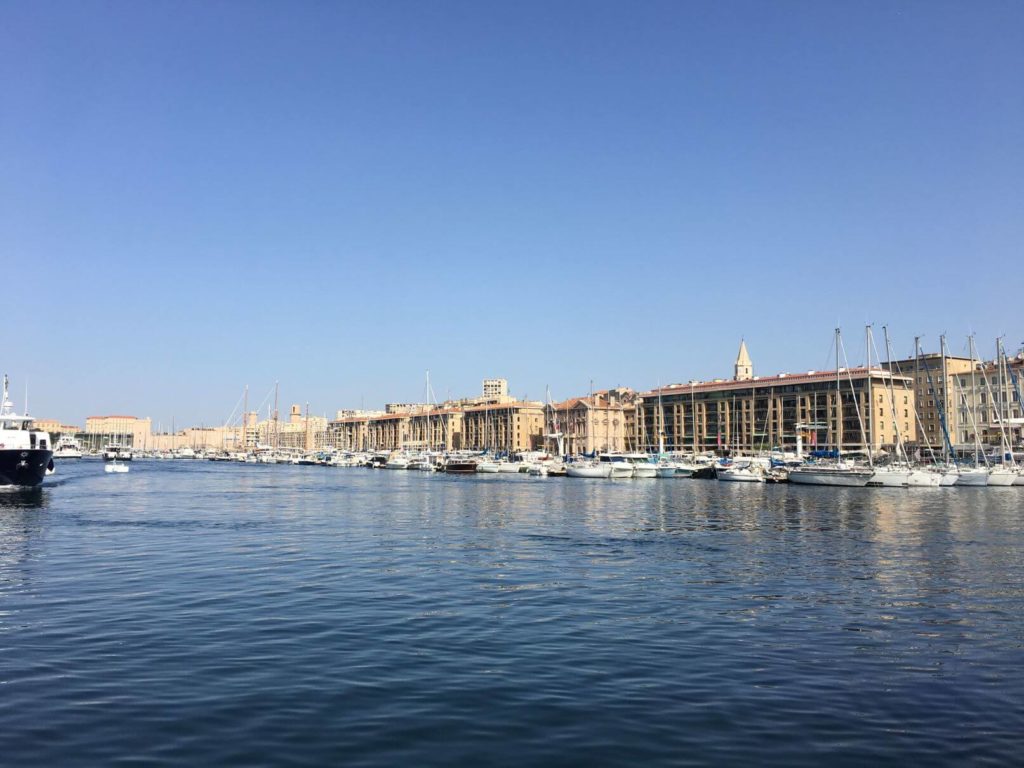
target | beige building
[
  {"x": 504, "y": 427},
  {"x": 933, "y": 396},
  {"x": 764, "y": 412},
  {"x": 306, "y": 433},
  {"x": 54, "y": 427},
  {"x": 597, "y": 422},
  {"x": 987, "y": 404},
  {"x": 438, "y": 429},
  {"x": 495, "y": 388},
  {"x": 124, "y": 429}
]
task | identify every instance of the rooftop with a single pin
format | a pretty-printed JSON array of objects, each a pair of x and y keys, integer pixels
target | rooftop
[{"x": 779, "y": 378}]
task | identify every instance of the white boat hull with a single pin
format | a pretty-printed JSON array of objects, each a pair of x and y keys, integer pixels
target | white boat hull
[
  {"x": 645, "y": 470},
  {"x": 588, "y": 471},
  {"x": 975, "y": 478},
  {"x": 920, "y": 478},
  {"x": 889, "y": 478},
  {"x": 836, "y": 477},
  {"x": 1002, "y": 477},
  {"x": 739, "y": 476}
]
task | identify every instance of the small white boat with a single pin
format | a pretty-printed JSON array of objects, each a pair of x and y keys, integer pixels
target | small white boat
[
  {"x": 488, "y": 467},
  {"x": 588, "y": 469},
  {"x": 397, "y": 461},
  {"x": 674, "y": 469},
  {"x": 114, "y": 468},
  {"x": 740, "y": 474},
  {"x": 67, "y": 448},
  {"x": 838, "y": 474}
]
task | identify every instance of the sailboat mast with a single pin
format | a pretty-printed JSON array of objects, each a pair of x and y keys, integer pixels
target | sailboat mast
[
  {"x": 661, "y": 423},
  {"x": 869, "y": 435},
  {"x": 245, "y": 418},
  {"x": 276, "y": 385},
  {"x": 900, "y": 448},
  {"x": 839, "y": 405},
  {"x": 693, "y": 415},
  {"x": 945, "y": 396}
]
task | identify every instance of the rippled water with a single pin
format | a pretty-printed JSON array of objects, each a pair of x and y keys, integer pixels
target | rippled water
[{"x": 197, "y": 613}]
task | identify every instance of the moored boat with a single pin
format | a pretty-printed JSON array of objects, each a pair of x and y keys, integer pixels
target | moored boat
[
  {"x": 26, "y": 453},
  {"x": 831, "y": 474},
  {"x": 67, "y": 448}
]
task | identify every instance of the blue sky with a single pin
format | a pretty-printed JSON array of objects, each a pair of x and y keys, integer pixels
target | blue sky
[{"x": 341, "y": 196}]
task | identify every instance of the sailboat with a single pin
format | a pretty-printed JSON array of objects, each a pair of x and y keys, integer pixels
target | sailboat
[
  {"x": 839, "y": 473},
  {"x": 976, "y": 476},
  {"x": 1005, "y": 473}
]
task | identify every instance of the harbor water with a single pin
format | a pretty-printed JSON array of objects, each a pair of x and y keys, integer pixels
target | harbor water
[{"x": 194, "y": 613}]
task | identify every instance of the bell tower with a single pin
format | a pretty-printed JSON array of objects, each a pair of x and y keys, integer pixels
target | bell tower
[{"x": 744, "y": 369}]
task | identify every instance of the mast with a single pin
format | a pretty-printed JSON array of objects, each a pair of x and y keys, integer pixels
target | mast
[
  {"x": 869, "y": 432},
  {"x": 839, "y": 406},
  {"x": 275, "y": 425},
  {"x": 245, "y": 419},
  {"x": 945, "y": 398},
  {"x": 693, "y": 419},
  {"x": 974, "y": 409},
  {"x": 1004, "y": 397},
  {"x": 661, "y": 423},
  {"x": 1003, "y": 406}
]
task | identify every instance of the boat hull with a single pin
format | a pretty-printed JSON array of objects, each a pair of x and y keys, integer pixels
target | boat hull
[
  {"x": 734, "y": 476},
  {"x": 1001, "y": 477},
  {"x": 972, "y": 478},
  {"x": 920, "y": 478},
  {"x": 24, "y": 468},
  {"x": 460, "y": 468},
  {"x": 843, "y": 478},
  {"x": 589, "y": 472},
  {"x": 887, "y": 478}
]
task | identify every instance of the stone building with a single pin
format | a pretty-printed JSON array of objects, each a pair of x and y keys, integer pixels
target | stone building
[
  {"x": 595, "y": 423},
  {"x": 503, "y": 427},
  {"x": 764, "y": 412}
]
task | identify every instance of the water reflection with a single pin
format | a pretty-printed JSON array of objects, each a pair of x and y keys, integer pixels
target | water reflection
[{"x": 292, "y": 614}]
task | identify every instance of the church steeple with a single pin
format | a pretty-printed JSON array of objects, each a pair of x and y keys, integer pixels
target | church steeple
[{"x": 744, "y": 368}]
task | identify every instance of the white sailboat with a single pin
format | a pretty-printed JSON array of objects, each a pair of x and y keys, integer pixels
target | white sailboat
[{"x": 839, "y": 473}]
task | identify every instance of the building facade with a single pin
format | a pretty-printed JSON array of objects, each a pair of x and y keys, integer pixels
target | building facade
[
  {"x": 504, "y": 427},
  {"x": 849, "y": 410},
  {"x": 595, "y": 423},
  {"x": 125, "y": 430}
]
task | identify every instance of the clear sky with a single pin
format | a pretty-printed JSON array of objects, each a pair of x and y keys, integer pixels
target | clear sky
[{"x": 195, "y": 196}]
